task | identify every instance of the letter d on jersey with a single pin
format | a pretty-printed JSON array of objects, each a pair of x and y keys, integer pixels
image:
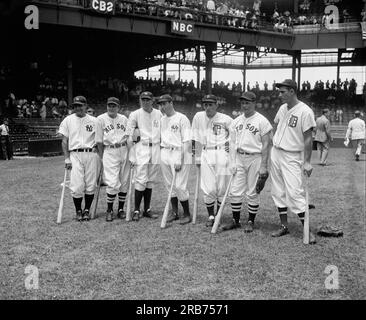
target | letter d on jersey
[
  {"x": 31, "y": 280},
  {"x": 331, "y": 282},
  {"x": 32, "y": 20}
]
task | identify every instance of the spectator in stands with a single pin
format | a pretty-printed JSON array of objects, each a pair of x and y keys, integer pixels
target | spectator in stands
[
  {"x": 339, "y": 115},
  {"x": 323, "y": 136},
  {"x": 210, "y": 6},
  {"x": 5, "y": 140},
  {"x": 43, "y": 112}
]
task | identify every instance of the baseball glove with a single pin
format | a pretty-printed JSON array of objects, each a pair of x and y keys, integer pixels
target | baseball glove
[
  {"x": 330, "y": 231},
  {"x": 261, "y": 182}
]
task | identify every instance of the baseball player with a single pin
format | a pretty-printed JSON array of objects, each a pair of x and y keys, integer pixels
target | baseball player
[
  {"x": 81, "y": 157},
  {"x": 211, "y": 135},
  {"x": 111, "y": 138},
  {"x": 356, "y": 133},
  {"x": 175, "y": 155},
  {"x": 291, "y": 155},
  {"x": 146, "y": 158},
  {"x": 250, "y": 137},
  {"x": 323, "y": 136}
]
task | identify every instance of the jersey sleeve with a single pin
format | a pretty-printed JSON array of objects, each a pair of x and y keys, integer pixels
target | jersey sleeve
[
  {"x": 265, "y": 127},
  {"x": 131, "y": 123},
  {"x": 278, "y": 115},
  {"x": 64, "y": 129},
  {"x": 186, "y": 129},
  {"x": 308, "y": 121},
  {"x": 196, "y": 132},
  {"x": 99, "y": 131}
]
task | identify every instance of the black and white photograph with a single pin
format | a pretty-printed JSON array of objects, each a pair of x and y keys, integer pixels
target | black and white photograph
[{"x": 182, "y": 155}]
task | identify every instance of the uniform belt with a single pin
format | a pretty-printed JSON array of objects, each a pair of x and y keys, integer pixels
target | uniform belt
[
  {"x": 116, "y": 145},
  {"x": 171, "y": 148},
  {"x": 241, "y": 151},
  {"x": 150, "y": 144},
  {"x": 83, "y": 150},
  {"x": 213, "y": 148}
]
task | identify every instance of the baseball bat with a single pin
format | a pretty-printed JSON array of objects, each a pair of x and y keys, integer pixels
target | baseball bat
[
  {"x": 196, "y": 193},
  {"x": 129, "y": 195},
  {"x": 97, "y": 193},
  {"x": 306, "y": 236},
  {"x": 219, "y": 214},
  {"x": 61, "y": 205},
  {"x": 166, "y": 210}
]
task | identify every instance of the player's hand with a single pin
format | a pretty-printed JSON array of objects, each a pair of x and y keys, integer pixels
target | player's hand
[
  {"x": 132, "y": 163},
  {"x": 308, "y": 169},
  {"x": 68, "y": 164},
  {"x": 233, "y": 169},
  {"x": 177, "y": 167}
]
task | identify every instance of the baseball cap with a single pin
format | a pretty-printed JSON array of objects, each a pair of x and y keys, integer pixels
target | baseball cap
[
  {"x": 358, "y": 112},
  {"x": 209, "y": 98},
  {"x": 248, "y": 96},
  {"x": 146, "y": 95},
  {"x": 79, "y": 100},
  {"x": 165, "y": 98},
  {"x": 287, "y": 83},
  {"x": 113, "y": 100}
]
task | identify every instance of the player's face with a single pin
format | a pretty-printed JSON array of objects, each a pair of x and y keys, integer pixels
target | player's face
[
  {"x": 210, "y": 108},
  {"x": 80, "y": 110},
  {"x": 112, "y": 109},
  {"x": 166, "y": 107},
  {"x": 146, "y": 104},
  {"x": 247, "y": 107},
  {"x": 285, "y": 94}
]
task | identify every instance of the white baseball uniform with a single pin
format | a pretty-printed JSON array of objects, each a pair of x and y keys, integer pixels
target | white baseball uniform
[
  {"x": 356, "y": 132},
  {"x": 175, "y": 131},
  {"x": 84, "y": 159},
  {"x": 246, "y": 139},
  {"x": 213, "y": 133},
  {"x": 147, "y": 151},
  {"x": 116, "y": 168},
  {"x": 287, "y": 156}
]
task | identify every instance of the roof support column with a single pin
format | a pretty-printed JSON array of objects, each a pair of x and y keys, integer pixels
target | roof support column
[
  {"x": 198, "y": 58},
  {"x": 209, "y": 63},
  {"x": 69, "y": 81}
]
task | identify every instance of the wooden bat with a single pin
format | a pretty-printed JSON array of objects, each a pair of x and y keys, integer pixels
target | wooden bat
[
  {"x": 219, "y": 214},
  {"x": 196, "y": 194},
  {"x": 129, "y": 195},
  {"x": 166, "y": 210},
  {"x": 61, "y": 205},
  {"x": 94, "y": 211},
  {"x": 306, "y": 237}
]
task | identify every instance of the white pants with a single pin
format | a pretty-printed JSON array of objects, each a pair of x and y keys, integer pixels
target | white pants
[
  {"x": 147, "y": 165},
  {"x": 287, "y": 184},
  {"x": 84, "y": 173},
  {"x": 116, "y": 169},
  {"x": 245, "y": 179},
  {"x": 168, "y": 159},
  {"x": 215, "y": 174}
]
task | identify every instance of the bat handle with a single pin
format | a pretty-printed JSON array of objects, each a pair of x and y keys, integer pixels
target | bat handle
[{"x": 61, "y": 205}]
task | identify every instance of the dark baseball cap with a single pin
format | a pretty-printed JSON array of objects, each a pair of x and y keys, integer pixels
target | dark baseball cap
[
  {"x": 209, "y": 98},
  {"x": 113, "y": 100},
  {"x": 248, "y": 96},
  {"x": 287, "y": 83},
  {"x": 146, "y": 95},
  {"x": 165, "y": 98},
  {"x": 79, "y": 100}
]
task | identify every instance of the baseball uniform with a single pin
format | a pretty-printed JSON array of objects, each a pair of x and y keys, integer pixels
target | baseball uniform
[
  {"x": 112, "y": 133},
  {"x": 213, "y": 134},
  {"x": 356, "y": 133},
  {"x": 287, "y": 157}
]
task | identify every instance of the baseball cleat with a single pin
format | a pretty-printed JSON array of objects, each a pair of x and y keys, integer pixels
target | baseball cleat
[
  {"x": 172, "y": 216},
  {"x": 86, "y": 215},
  {"x": 249, "y": 227},
  {"x": 357, "y": 157},
  {"x": 210, "y": 222},
  {"x": 232, "y": 225},
  {"x": 283, "y": 230},
  {"x": 149, "y": 214},
  {"x": 109, "y": 216},
  {"x": 185, "y": 220},
  {"x": 121, "y": 214},
  {"x": 136, "y": 215},
  {"x": 79, "y": 215}
]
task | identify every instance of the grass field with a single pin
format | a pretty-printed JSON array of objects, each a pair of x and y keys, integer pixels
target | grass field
[{"x": 138, "y": 260}]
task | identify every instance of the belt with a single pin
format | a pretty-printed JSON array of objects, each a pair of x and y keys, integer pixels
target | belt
[
  {"x": 83, "y": 150},
  {"x": 116, "y": 145},
  {"x": 150, "y": 144},
  {"x": 279, "y": 148},
  {"x": 171, "y": 148},
  {"x": 241, "y": 151},
  {"x": 213, "y": 148}
]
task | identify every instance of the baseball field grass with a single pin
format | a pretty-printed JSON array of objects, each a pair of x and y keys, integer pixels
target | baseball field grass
[{"x": 138, "y": 260}]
